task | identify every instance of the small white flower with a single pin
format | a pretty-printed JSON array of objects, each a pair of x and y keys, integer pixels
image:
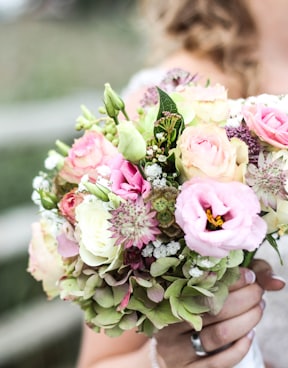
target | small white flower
[
  {"x": 162, "y": 158},
  {"x": 53, "y": 160},
  {"x": 160, "y": 136},
  {"x": 159, "y": 183},
  {"x": 148, "y": 251},
  {"x": 206, "y": 263},
  {"x": 173, "y": 247},
  {"x": 157, "y": 243},
  {"x": 39, "y": 182},
  {"x": 153, "y": 171},
  {"x": 195, "y": 272},
  {"x": 160, "y": 252}
]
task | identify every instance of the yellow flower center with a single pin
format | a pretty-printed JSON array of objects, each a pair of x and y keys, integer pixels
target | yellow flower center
[{"x": 213, "y": 223}]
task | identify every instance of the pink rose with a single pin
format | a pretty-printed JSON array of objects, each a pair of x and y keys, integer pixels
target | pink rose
[
  {"x": 87, "y": 153},
  {"x": 205, "y": 151},
  {"x": 218, "y": 217},
  {"x": 127, "y": 181},
  {"x": 268, "y": 123},
  {"x": 45, "y": 263},
  {"x": 68, "y": 204}
]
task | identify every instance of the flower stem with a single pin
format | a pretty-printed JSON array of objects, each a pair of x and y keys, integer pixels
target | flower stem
[{"x": 248, "y": 257}]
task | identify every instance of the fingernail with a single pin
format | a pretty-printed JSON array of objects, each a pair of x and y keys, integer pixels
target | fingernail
[
  {"x": 262, "y": 304},
  {"x": 250, "y": 276},
  {"x": 251, "y": 334},
  {"x": 279, "y": 278}
]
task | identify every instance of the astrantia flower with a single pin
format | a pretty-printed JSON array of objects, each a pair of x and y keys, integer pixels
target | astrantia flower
[
  {"x": 242, "y": 132},
  {"x": 269, "y": 179},
  {"x": 176, "y": 77},
  {"x": 134, "y": 224}
]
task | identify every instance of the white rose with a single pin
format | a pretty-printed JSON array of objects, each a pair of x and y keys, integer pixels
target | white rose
[{"x": 96, "y": 245}]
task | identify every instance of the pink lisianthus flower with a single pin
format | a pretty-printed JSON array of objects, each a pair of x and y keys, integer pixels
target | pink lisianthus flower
[
  {"x": 45, "y": 263},
  {"x": 87, "y": 153},
  {"x": 127, "y": 181},
  {"x": 68, "y": 204},
  {"x": 268, "y": 123},
  {"x": 218, "y": 217}
]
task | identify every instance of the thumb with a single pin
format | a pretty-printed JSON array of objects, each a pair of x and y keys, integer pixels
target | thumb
[{"x": 265, "y": 276}]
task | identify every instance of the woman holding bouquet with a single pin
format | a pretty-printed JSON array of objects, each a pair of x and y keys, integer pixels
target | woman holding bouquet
[{"x": 243, "y": 45}]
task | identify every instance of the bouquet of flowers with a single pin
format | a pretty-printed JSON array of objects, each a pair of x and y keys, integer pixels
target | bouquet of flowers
[{"x": 145, "y": 222}]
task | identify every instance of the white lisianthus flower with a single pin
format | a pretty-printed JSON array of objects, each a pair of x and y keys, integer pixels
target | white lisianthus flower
[{"x": 96, "y": 245}]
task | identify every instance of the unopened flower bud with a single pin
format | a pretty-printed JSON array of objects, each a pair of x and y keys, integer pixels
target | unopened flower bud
[
  {"x": 116, "y": 100},
  {"x": 87, "y": 113},
  {"x": 48, "y": 200},
  {"x": 98, "y": 190},
  {"x": 62, "y": 147},
  {"x": 132, "y": 145}
]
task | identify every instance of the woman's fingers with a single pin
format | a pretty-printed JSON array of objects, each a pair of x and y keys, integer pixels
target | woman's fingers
[
  {"x": 265, "y": 276},
  {"x": 218, "y": 335},
  {"x": 246, "y": 277},
  {"x": 213, "y": 336},
  {"x": 227, "y": 358},
  {"x": 237, "y": 303}
]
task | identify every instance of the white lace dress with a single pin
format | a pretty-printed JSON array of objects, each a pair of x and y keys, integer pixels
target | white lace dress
[{"x": 272, "y": 330}]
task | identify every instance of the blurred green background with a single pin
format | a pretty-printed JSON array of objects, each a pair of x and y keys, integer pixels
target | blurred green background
[{"x": 55, "y": 55}]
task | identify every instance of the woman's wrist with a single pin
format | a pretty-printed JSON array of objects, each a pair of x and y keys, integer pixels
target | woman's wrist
[{"x": 155, "y": 359}]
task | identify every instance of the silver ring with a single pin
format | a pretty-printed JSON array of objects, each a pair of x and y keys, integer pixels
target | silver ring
[{"x": 197, "y": 345}]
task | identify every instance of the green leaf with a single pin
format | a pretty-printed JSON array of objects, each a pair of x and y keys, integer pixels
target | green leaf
[
  {"x": 137, "y": 305},
  {"x": 194, "y": 319},
  {"x": 142, "y": 282},
  {"x": 114, "y": 331},
  {"x": 175, "y": 288},
  {"x": 147, "y": 328},
  {"x": 231, "y": 276},
  {"x": 201, "y": 290},
  {"x": 235, "y": 258},
  {"x": 119, "y": 292},
  {"x": 209, "y": 281},
  {"x": 216, "y": 302},
  {"x": 155, "y": 293},
  {"x": 165, "y": 103},
  {"x": 106, "y": 317},
  {"x": 128, "y": 321},
  {"x": 194, "y": 305},
  {"x": 162, "y": 265},
  {"x": 104, "y": 297},
  {"x": 272, "y": 241},
  {"x": 161, "y": 316}
]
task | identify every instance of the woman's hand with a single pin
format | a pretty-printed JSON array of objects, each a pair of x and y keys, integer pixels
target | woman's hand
[{"x": 231, "y": 329}]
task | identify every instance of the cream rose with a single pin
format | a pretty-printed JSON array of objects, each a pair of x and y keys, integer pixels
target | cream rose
[
  {"x": 202, "y": 104},
  {"x": 205, "y": 151},
  {"x": 97, "y": 247}
]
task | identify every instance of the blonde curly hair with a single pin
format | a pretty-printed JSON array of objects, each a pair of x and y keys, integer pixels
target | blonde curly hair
[{"x": 222, "y": 30}]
